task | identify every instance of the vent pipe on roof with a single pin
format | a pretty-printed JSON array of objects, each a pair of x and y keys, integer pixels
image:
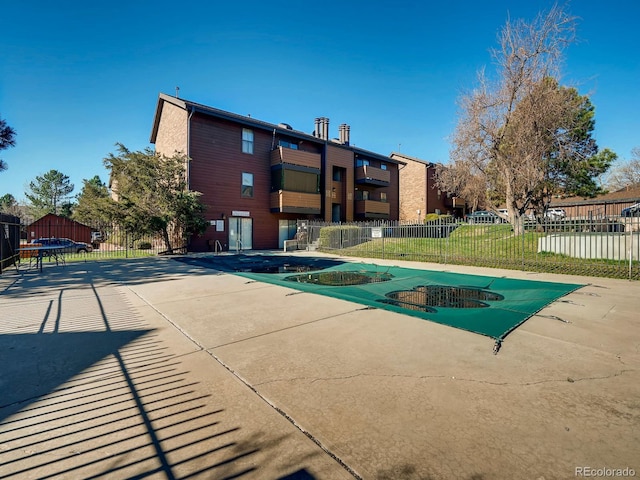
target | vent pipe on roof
[
  {"x": 321, "y": 128},
  {"x": 344, "y": 134}
]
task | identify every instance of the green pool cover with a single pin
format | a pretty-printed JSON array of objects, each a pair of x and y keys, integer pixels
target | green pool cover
[{"x": 490, "y": 306}]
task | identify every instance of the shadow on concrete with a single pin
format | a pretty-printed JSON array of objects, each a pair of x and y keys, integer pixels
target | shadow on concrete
[
  {"x": 411, "y": 472},
  {"x": 110, "y": 401},
  {"x": 260, "y": 263},
  {"x": 29, "y": 283},
  {"x": 299, "y": 475},
  {"x": 34, "y": 365}
]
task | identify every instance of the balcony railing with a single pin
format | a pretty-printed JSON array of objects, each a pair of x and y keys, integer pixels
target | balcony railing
[
  {"x": 367, "y": 174},
  {"x": 295, "y": 157},
  {"x": 284, "y": 201},
  {"x": 372, "y": 208}
]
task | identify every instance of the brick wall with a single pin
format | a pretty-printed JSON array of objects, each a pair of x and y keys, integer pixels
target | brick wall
[
  {"x": 172, "y": 130},
  {"x": 413, "y": 188}
]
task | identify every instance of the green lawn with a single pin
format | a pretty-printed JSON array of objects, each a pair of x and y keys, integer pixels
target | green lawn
[{"x": 487, "y": 246}]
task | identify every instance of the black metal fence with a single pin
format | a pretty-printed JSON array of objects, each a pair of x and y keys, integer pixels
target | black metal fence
[
  {"x": 606, "y": 247},
  {"x": 97, "y": 241}
]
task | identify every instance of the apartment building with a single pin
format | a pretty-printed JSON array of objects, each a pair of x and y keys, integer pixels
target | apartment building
[
  {"x": 419, "y": 195},
  {"x": 258, "y": 178}
]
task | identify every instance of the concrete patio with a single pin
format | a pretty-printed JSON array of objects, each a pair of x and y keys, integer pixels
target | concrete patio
[{"x": 158, "y": 369}]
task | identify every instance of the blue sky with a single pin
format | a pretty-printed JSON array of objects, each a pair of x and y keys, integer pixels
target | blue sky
[{"x": 77, "y": 77}]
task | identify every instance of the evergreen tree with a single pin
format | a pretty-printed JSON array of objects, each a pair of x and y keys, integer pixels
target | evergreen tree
[
  {"x": 7, "y": 139},
  {"x": 152, "y": 196},
  {"x": 49, "y": 193}
]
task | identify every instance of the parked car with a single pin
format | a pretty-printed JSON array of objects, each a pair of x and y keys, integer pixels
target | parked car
[
  {"x": 484, "y": 216},
  {"x": 66, "y": 245},
  {"x": 555, "y": 213},
  {"x": 97, "y": 238},
  {"x": 632, "y": 211}
]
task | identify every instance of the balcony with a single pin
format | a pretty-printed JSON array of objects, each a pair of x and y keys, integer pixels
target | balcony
[
  {"x": 372, "y": 209},
  {"x": 284, "y": 201},
  {"x": 369, "y": 175},
  {"x": 453, "y": 202},
  {"x": 295, "y": 157}
]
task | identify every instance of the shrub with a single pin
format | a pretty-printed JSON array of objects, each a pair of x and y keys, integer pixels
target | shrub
[
  {"x": 339, "y": 235},
  {"x": 439, "y": 218},
  {"x": 144, "y": 246}
]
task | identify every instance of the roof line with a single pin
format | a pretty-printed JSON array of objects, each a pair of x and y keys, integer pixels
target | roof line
[{"x": 252, "y": 122}]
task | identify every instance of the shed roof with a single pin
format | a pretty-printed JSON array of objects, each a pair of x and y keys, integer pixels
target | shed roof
[{"x": 624, "y": 195}]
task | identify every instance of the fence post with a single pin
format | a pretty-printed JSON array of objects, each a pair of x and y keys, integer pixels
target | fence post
[
  {"x": 524, "y": 232},
  {"x": 631, "y": 255}
]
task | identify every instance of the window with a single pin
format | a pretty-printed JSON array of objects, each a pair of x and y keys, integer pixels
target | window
[
  {"x": 383, "y": 166},
  {"x": 383, "y": 197},
  {"x": 247, "y": 185},
  {"x": 361, "y": 163},
  {"x": 287, "y": 144},
  {"x": 363, "y": 195},
  {"x": 247, "y": 141}
]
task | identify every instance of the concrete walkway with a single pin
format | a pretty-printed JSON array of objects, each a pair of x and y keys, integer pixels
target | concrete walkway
[{"x": 153, "y": 368}]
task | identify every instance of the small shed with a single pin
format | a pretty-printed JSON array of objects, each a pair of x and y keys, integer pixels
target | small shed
[{"x": 59, "y": 227}]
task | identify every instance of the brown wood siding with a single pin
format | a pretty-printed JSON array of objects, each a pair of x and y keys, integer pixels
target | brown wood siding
[
  {"x": 295, "y": 157},
  {"x": 435, "y": 198},
  {"x": 284, "y": 200},
  {"x": 393, "y": 192},
  {"x": 216, "y": 171},
  {"x": 368, "y": 172},
  {"x": 217, "y": 164},
  {"x": 339, "y": 157},
  {"x": 364, "y": 207}
]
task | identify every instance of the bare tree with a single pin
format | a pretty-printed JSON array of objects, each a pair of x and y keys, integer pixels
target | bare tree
[
  {"x": 466, "y": 181},
  {"x": 522, "y": 134},
  {"x": 627, "y": 173}
]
